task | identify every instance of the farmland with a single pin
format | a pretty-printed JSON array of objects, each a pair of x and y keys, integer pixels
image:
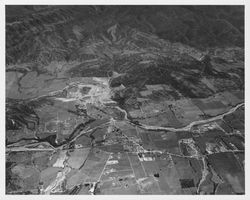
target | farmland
[{"x": 106, "y": 100}]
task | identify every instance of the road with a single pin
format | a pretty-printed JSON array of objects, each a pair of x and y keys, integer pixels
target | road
[{"x": 143, "y": 126}]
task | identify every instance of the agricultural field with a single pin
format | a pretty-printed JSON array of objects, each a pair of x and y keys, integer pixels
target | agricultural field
[{"x": 129, "y": 100}]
